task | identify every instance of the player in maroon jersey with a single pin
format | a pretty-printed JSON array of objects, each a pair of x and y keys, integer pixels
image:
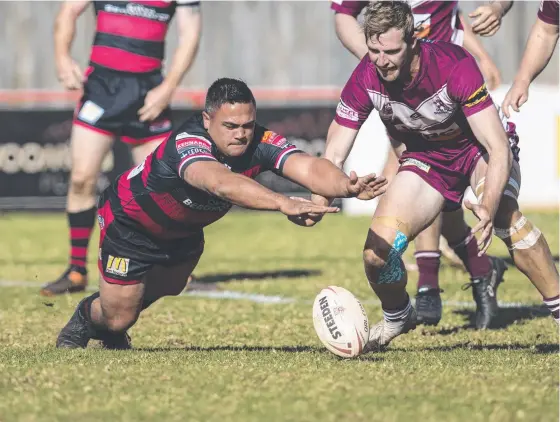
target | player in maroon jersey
[
  {"x": 152, "y": 217},
  {"x": 124, "y": 95},
  {"x": 438, "y": 21},
  {"x": 540, "y": 48},
  {"x": 441, "y": 119}
]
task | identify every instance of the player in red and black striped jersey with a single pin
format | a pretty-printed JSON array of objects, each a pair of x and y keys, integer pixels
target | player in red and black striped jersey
[
  {"x": 124, "y": 95},
  {"x": 152, "y": 217}
]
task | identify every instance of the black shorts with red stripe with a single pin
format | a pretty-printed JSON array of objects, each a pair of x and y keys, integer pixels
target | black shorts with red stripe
[
  {"x": 127, "y": 252},
  {"x": 111, "y": 101}
]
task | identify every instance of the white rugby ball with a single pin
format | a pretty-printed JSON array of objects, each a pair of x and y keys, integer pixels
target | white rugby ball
[{"x": 341, "y": 322}]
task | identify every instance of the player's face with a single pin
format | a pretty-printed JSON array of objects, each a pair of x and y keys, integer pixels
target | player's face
[
  {"x": 389, "y": 53},
  {"x": 231, "y": 127}
]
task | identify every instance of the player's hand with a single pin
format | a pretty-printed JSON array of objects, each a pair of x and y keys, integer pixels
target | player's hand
[
  {"x": 517, "y": 95},
  {"x": 491, "y": 73},
  {"x": 304, "y": 209},
  {"x": 484, "y": 226},
  {"x": 157, "y": 99},
  {"x": 305, "y": 221},
  {"x": 69, "y": 73},
  {"x": 487, "y": 19},
  {"x": 365, "y": 187}
]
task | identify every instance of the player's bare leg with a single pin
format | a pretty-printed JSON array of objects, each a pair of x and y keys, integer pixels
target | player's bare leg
[
  {"x": 408, "y": 207},
  {"x": 526, "y": 244},
  {"x": 428, "y": 298},
  {"x": 486, "y": 272},
  {"x": 107, "y": 315},
  {"x": 88, "y": 148}
]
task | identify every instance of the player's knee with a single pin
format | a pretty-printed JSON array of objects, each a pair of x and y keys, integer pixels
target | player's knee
[
  {"x": 517, "y": 232},
  {"x": 376, "y": 251},
  {"x": 82, "y": 183},
  {"x": 121, "y": 321},
  {"x": 382, "y": 256}
]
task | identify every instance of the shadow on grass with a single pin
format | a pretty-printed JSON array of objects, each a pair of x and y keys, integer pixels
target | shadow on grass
[
  {"x": 540, "y": 348},
  {"x": 507, "y": 316},
  {"x": 259, "y": 349},
  {"x": 256, "y": 275}
]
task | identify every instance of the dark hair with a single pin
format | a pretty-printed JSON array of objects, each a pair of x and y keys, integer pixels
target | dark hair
[
  {"x": 381, "y": 16},
  {"x": 227, "y": 90}
]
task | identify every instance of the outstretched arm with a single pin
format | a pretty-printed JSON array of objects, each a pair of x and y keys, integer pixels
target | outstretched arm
[{"x": 216, "y": 179}]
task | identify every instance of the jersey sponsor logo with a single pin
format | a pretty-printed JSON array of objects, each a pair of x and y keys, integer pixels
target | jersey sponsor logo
[
  {"x": 138, "y": 10},
  {"x": 345, "y": 112},
  {"x": 90, "y": 112},
  {"x": 187, "y": 146},
  {"x": 190, "y": 151},
  {"x": 477, "y": 97},
  {"x": 213, "y": 205},
  {"x": 273, "y": 138},
  {"x": 414, "y": 162},
  {"x": 117, "y": 265}
]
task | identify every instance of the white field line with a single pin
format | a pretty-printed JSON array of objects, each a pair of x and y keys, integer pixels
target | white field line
[{"x": 272, "y": 299}]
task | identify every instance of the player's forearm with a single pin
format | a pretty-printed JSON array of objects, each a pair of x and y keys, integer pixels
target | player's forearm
[
  {"x": 471, "y": 42},
  {"x": 350, "y": 34},
  {"x": 245, "y": 192},
  {"x": 326, "y": 179},
  {"x": 64, "y": 30},
  {"x": 185, "y": 53},
  {"x": 540, "y": 47},
  {"x": 499, "y": 167}
]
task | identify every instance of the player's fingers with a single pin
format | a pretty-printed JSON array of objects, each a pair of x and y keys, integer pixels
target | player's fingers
[
  {"x": 522, "y": 100},
  {"x": 480, "y": 22},
  {"x": 475, "y": 13},
  {"x": 491, "y": 25},
  {"x": 479, "y": 226},
  {"x": 468, "y": 205}
]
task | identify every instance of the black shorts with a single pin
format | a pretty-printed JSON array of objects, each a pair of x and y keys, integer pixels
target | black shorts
[
  {"x": 111, "y": 102},
  {"x": 126, "y": 253}
]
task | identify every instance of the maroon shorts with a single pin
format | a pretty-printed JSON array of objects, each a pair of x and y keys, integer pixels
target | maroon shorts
[
  {"x": 446, "y": 166},
  {"x": 127, "y": 253}
]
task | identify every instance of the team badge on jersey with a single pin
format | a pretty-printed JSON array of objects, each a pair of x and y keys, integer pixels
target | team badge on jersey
[
  {"x": 117, "y": 265},
  {"x": 272, "y": 138},
  {"x": 478, "y": 96}
]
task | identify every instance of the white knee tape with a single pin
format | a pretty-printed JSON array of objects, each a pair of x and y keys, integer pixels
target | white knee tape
[{"x": 530, "y": 237}]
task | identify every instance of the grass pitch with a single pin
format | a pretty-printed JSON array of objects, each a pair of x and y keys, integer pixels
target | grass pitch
[{"x": 202, "y": 359}]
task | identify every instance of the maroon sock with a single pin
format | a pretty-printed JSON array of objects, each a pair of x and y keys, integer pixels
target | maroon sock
[
  {"x": 477, "y": 266},
  {"x": 428, "y": 269},
  {"x": 81, "y": 226}
]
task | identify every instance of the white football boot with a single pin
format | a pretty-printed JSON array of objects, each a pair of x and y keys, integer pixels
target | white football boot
[{"x": 393, "y": 325}]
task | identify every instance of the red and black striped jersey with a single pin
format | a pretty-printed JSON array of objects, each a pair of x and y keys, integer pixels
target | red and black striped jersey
[
  {"x": 154, "y": 197},
  {"x": 130, "y": 35}
]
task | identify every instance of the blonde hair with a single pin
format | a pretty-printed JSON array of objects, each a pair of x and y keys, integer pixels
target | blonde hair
[{"x": 381, "y": 16}]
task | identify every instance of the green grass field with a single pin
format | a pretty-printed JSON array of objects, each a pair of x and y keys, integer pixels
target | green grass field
[{"x": 208, "y": 359}]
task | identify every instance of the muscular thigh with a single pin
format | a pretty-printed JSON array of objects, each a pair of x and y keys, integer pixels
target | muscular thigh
[
  {"x": 411, "y": 202},
  {"x": 169, "y": 280}
]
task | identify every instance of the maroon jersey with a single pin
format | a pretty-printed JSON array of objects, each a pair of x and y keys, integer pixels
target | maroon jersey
[
  {"x": 154, "y": 198},
  {"x": 130, "y": 35},
  {"x": 434, "y": 20},
  {"x": 549, "y": 12},
  {"x": 433, "y": 107}
]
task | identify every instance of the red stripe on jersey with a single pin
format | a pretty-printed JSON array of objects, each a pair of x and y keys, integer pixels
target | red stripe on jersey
[
  {"x": 123, "y": 61},
  {"x": 153, "y": 3},
  {"x": 172, "y": 208},
  {"x": 160, "y": 151},
  {"x": 131, "y": 26},
  {"x": 131, "y": 207},
  {"x": 253, "y": 171}
]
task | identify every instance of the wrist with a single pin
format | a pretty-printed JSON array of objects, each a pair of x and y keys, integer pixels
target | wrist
[
  {"x": 498, "y": 8},
  {"x": 522, "y": 80}
]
